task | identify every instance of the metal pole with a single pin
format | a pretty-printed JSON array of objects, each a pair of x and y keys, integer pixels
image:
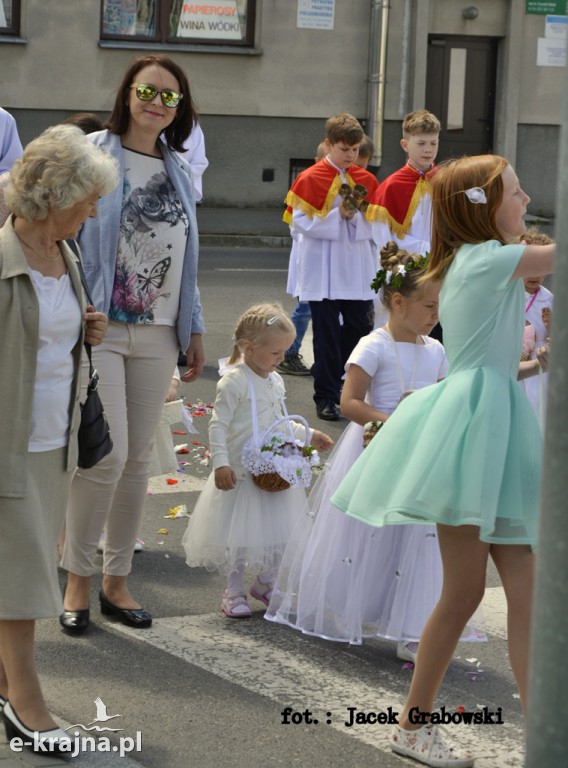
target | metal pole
[
  {"x": 547, "y": 729},
  {"x": 377, "y": 75}
]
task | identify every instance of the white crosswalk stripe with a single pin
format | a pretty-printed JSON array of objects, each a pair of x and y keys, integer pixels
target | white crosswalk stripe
[{"x": 247, "y": 658}]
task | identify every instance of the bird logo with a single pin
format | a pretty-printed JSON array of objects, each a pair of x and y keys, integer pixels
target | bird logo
[{"x": 102, "y": 717}]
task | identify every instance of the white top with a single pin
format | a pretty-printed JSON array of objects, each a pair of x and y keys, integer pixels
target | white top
[
  {"x": 534, "y": 309},
  {"x": 420, "y": 365},
  {"x": 292, "y": 283},
  {"x": 417, "y": 239},
  {"x": 153, "y": 235},
  {"x": 535, "y": 387},
  {"x": 231, "y": 421},
  {"x": 194, "y": 156},
  {"x": 59, "y": 328},
  {"x": 336, "y": 258}
]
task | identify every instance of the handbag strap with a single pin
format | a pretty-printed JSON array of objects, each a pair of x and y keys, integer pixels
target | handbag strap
[{"x": 92, "y": 372}]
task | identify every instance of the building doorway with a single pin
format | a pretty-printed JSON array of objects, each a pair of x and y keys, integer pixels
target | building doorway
[{"x": 461, "y": 85}]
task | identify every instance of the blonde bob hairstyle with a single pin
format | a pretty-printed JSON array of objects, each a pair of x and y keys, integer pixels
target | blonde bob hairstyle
[
  {"x": 60, "y": 168},
  {"x": 455, "y": 219}
]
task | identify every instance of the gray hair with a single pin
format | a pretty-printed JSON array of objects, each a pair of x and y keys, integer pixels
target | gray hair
[{"x": 60, "y": 168}]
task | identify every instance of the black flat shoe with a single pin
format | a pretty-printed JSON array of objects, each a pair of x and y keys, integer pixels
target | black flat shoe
[
  {"x": 55, "y": 740},
  {"x": 75, "y": 622},
  {"x": 131, "y": 617}
]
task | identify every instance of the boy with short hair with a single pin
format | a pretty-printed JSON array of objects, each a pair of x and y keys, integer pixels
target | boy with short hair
[
  {"x": 336, "y": 259},
  {"x": 402, "y": 207},
  {"x": 293, "y": 363}
]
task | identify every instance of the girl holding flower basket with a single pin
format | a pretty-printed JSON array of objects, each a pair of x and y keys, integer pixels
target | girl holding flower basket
[{"x": 262, "y": 461}]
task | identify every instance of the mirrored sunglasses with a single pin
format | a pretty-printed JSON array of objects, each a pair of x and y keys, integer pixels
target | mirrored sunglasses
[{"x": 147, "y": 92}]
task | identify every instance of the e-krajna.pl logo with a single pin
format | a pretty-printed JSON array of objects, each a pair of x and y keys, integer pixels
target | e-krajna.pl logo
[{"x": 78, "y": 743}]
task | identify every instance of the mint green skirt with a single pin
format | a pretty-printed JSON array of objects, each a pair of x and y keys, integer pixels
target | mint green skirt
[{"x": 465, "y": 451}]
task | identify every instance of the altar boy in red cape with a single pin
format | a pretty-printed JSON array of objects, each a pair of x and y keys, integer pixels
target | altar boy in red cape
[
  {"x": 336, "y": 257},
  {"x": 401, "y": 209}
]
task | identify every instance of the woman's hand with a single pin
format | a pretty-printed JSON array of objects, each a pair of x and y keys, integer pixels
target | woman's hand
[
  {"x": 195, "y": 358},
  {"x": 96, "y": 328},
  {"x": 225, "y": 479}
]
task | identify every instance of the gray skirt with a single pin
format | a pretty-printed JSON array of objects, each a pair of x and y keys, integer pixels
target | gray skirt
[{"x": 29, "y": 531}]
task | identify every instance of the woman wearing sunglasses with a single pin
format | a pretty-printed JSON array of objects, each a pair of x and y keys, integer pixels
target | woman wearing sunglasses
[{"x": 140, "y": 259}]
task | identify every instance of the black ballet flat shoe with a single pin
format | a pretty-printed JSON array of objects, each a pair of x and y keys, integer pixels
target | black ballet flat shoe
[
  {"x": 131, "y": 617},
  {"x": 75, "y": 622},
  {"x": 55, "y": 740}
]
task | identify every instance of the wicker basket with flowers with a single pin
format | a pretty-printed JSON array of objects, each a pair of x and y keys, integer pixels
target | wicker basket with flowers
[{"x": 277, "y": 460}]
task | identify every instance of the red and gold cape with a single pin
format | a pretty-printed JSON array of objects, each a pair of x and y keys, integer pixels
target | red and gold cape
[
  {"x": 315, "y": 189},
  {"x": 397, "y": 197}
]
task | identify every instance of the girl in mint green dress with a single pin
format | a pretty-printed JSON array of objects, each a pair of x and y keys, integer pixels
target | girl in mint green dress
[{"x": 465, "y": 453}]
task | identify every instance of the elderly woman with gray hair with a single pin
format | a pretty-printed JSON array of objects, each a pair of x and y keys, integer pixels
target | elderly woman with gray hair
[{"x": 53, "y": 190}]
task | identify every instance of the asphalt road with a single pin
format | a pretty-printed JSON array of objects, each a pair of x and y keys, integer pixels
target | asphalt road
[{"x": 199, "y": 689}]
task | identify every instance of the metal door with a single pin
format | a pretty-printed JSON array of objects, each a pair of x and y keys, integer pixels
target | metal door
[{"x": 460, "y": 91}]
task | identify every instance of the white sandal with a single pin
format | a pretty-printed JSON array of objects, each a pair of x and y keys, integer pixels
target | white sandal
[
  {"x": 235, "y": 606},
  {"x": 430, "y": 746}
]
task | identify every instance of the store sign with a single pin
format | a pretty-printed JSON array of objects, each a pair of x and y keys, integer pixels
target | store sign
[
  {"x": 546, "y": 7},
  {"x": 212, "y": 19}
]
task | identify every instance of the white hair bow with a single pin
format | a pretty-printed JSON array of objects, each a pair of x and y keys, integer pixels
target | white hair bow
[{"x": 476, "y": 195}]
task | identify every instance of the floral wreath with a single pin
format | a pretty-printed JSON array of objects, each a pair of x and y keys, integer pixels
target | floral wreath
[{"x": 396, "y": 279}]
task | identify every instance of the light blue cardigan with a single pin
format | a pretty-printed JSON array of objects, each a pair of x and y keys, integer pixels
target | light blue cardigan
[{"x": 99, "y": 239}]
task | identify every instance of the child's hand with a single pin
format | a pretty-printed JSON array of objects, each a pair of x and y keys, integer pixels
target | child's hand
[
  {"x": 546, "y": 318},
  {"x": 173, "y": 391},
  {"x": 225, "y": 479},
  {"x": 346, "y": 212},
  {"x": 542, "y": 356},
  {"x": 97, "y": 323},
  {"x": 321, "y": 441}
]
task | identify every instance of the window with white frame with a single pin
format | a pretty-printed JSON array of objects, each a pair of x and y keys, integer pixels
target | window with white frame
[
  {"x": 208, "y": 22},
  {"x": 9, "y": 17}
]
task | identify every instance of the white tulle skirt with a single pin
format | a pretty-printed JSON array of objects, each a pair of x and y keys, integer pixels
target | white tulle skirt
[
  {"x": 343, "y": 580},
  {"x": 243, "y": 527}
]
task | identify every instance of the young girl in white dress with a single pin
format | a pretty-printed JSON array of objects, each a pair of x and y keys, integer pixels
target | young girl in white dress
[
  {"x": 538, "y": 306},
  {"x": 341, "y": 579},
  {"x": 235, "y": 524}
]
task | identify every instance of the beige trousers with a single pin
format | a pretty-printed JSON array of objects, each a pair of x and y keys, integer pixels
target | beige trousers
[{"x": 135, "y": 365}]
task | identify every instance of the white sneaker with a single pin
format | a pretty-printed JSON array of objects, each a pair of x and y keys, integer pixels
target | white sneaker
[
  {"x": 407, "y": 651},
  {"x": 430, "y": 746}
]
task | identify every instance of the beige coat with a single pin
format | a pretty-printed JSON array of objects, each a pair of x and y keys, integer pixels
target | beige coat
[{"x": 19, "y": 321}]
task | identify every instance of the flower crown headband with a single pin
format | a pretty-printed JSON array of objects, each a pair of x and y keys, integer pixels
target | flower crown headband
[{"x": 396, "y": 279}]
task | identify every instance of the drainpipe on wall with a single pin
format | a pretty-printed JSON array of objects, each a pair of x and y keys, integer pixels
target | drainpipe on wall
[{"x": 378, "y": 75}]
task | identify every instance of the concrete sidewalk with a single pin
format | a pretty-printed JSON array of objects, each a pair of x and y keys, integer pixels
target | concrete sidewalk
[
  {"x": 248, "y": 227},
  {"x": 264, "y": 228}
]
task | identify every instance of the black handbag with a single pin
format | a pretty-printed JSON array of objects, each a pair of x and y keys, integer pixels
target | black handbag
[{"x": 94, "y": 432}]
